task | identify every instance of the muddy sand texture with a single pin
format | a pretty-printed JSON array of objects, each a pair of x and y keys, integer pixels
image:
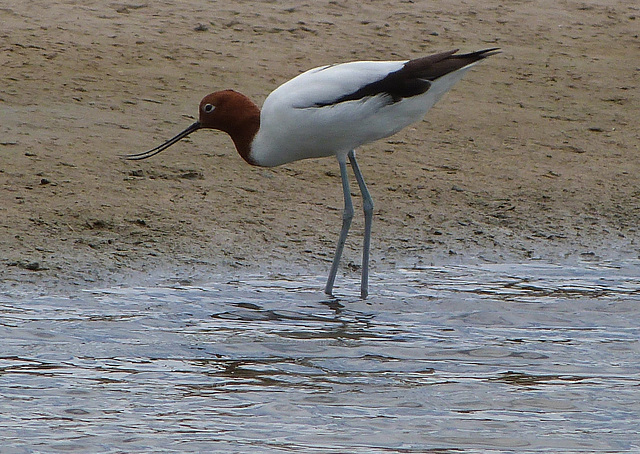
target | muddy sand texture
[{"x": 534, "y": 155}]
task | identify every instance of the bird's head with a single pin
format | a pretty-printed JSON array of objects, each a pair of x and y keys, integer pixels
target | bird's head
[{"x": 225, "y": 110}]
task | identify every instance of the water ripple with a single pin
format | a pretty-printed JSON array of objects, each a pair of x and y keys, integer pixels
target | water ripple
[{"x": 524, "y": 358}]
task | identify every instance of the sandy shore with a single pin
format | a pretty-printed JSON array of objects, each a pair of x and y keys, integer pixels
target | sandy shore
[{"x": 534, "y": 155}]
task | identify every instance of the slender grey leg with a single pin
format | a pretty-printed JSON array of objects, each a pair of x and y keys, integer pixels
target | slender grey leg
[
  {"x": 367, "y": 205},
  {"x": 347, "y": 215}
]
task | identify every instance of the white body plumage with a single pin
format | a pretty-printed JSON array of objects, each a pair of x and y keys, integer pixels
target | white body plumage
[{"x": 299, "y": 121}]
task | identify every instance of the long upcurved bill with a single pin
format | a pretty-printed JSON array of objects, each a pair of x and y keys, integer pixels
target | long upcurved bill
[{"x": 154, "y": 151}]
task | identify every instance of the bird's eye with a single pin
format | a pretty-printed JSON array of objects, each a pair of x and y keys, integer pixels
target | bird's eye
[{"x": 208, "y": 108}]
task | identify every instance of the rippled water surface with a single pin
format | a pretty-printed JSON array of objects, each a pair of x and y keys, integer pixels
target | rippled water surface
[{"x": 520, "y": 358}]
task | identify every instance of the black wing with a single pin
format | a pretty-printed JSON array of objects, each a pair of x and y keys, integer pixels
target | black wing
[{"x": 415, "y": 77}]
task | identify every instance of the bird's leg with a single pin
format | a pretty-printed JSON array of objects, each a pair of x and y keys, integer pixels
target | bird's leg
[
  {"x": 347, "y": 215},
  {"x": 367, "y": 205}
]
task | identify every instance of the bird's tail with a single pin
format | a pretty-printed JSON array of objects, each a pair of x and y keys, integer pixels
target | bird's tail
[{"x": 437, "y": 65}]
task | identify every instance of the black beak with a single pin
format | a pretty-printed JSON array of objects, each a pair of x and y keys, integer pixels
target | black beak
[{"x": 164, "y": 146}]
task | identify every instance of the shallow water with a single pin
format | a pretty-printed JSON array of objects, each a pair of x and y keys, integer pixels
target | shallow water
[{"x": 510, "y": 358}]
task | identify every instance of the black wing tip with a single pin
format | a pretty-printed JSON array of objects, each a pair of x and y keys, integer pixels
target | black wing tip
[{"x": 480, "y": 54}]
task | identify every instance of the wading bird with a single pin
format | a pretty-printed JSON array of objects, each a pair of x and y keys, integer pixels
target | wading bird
[{"x": 330, "y": 111}]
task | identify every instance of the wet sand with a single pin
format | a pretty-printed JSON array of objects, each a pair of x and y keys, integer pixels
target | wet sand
[{"x": 533, "y": 156}]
